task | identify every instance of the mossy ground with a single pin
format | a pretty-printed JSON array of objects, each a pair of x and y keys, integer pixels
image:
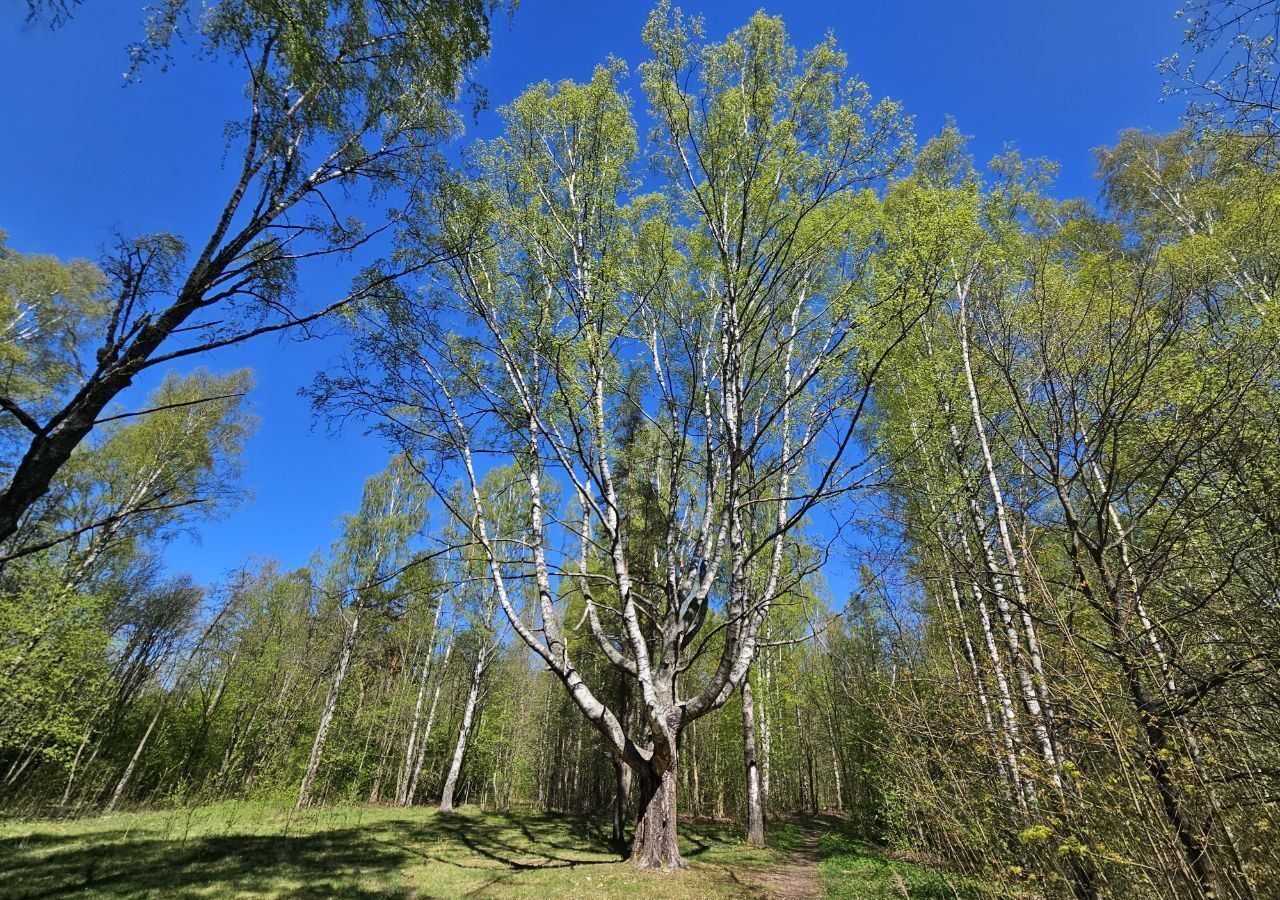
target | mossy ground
[{"x": 252, "y": 850}]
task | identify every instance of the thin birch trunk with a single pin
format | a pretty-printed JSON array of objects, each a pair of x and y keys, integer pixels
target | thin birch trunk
[
  {"x": 1006, "y": 761},
  {"x": 326, "y": 716},
  {"x": 421, "y": 758},
  {"x": 406, "y": 777},
  {"x": 464, "y": 733},
  {"x": 766, "y": 732},
  {"x": 1043, "y": 714},
  {"x": 127, "y": 775},
  {"x": 75, "y": 763}
]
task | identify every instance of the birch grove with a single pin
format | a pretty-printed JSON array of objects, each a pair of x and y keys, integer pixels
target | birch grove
[{"x": 746, "y": 462}]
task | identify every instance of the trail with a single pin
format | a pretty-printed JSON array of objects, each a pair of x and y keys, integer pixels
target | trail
[{"x": 794, "y": 880}]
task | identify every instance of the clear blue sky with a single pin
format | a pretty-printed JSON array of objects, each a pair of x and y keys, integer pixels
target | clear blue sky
[{"x": 83, "y": 154}]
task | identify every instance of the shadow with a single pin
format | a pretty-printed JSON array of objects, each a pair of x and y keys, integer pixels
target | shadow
[
  {"x": 330, "y": 863},
  {"x": 489, "y": 837},
  {"x": 364, "y": 861},
  {"x": 111, "y": 864}
]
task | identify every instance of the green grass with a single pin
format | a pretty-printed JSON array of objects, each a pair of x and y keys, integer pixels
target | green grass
[
  {"x": 250, "y": 850},
  {"x": 255, "y": 850},
  {"x": 852, "y": 871}
]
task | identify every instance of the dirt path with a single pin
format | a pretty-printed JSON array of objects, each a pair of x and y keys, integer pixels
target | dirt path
[{"x": 794, "y": 880}]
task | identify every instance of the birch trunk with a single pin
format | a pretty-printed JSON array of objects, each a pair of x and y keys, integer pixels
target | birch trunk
[
  {"x": 420, "y": 760},
  {"x": 1030, "y": 695},
  {"x": 464, "y": 734},
  {"x": 654, "y": 845},
  {"x": 424, "y": 677},
  {"x": 326, "y": 716},
  {"x": 1037, "y": 697},
  {"x": 766, "y": 733},
  {"x": 75, "y": 763},
  {"x": 132, "y": 767},
  {"x": 1009, "y": 731},
  {"x": 755, "y": 809},
  {"x": 1006, "y": 761}
]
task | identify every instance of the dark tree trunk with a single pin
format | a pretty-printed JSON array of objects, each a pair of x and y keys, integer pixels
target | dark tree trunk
[
  {"x": 623, "y": 775},
  {"x": 1194, "y": 851},
  {"x": 50, "y": 449},
  {"x": 621, "y": 800},
  {"x": 48, "y": 452},
  {"x": 654, "y": 845}
]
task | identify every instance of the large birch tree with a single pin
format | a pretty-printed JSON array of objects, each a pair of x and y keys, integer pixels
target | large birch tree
[{"x": 734, "y": 309}]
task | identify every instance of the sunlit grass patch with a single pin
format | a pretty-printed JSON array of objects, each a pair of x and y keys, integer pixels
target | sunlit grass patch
[
  {"x": 850, "y": 869},
  {"x": 257, "y": 850}
]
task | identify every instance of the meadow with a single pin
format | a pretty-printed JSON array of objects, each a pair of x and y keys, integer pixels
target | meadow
[{"x": 257, "y": 850}]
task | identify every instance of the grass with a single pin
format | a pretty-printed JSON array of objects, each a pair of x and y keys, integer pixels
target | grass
[
  {"x": 250, "y": 850},
  {"x": 852, "y": 871},
  {"x": 255, "y": 850}
]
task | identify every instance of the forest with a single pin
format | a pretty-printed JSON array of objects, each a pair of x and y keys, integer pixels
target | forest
[{"x": 779, "y": 500}]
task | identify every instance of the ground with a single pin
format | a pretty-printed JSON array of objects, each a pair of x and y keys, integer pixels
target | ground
[{"x": 252, "y": 850}]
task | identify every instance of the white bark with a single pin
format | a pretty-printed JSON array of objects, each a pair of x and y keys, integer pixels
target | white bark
[
  {"x": 464, "y": 733},
  {"x": 424, "y": 676},
  {"x": 132, "y": 766},
  {"x": 330, "y": 706},
  {"x": 1033, "y": 681},
  {"x": 755, "y": 806}
]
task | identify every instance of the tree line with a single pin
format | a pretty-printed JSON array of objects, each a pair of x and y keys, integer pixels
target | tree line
[{"x": 647, "y": 396}]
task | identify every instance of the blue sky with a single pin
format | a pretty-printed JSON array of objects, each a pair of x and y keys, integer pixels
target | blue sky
[{"x": 84, "y": 154}]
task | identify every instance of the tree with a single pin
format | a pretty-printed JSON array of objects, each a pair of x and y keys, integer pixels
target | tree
[
  {"x": 52, "y": 661},
  {"x": 432, "y": 664},
  {"x": 52, "y": 12},
  {"x": 1062, "y": 431},
  {"x": 732, "y": 311},
  {"x": 147, "y": 476},
  {"x": 350, "y": 96},
  {"x": 1233, "y": 75},
  {"x": 90, "y": 556},
  {"x": 477, "y": 603},
  {"x": 372, "y": 555}
]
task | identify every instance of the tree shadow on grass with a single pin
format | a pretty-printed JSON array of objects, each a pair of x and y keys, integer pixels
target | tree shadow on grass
[
  {"x": 112, "y": 864},
  {"x": 517, "y": 842},
  {"x": 365, "y": 861}
]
